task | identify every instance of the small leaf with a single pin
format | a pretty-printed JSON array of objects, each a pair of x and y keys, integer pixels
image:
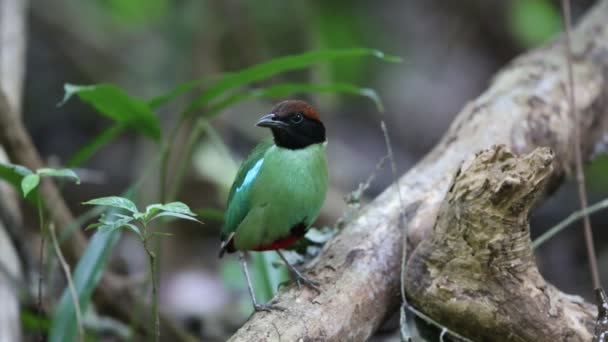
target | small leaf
[
  {"x": 114, "y": 201},
  {"x": 29, "y": 183},
  {"x": 178, "y": 207},
  {"x": 152, "y": 209},
  {"x": 94, "y": 225},
  {"x": 116, "y": 104},
  {"x": 64, "y": 173},
  {"x": 13, "y": 173},
  {"x": 132, "y": 228},
  {"x": 174, "y": 207},
  {"x": 173, "y": 214}
]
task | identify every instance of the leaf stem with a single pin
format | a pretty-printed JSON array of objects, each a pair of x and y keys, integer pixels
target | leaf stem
[
  {"x": 41, "y": 262},
  {"x": 199, "y": 127},
  {"x": 580, "y": 175},
  {"x": 152, "y": 260},
  {"x": 166, "y": 148},
  {"x": 68, "y": 277}
]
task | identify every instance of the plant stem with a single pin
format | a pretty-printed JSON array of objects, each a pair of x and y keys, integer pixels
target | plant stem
[
  {"x": 568, "y": 221},
  {"x": 152, "y": 260},
  {"x": 580, "y": 175},
  {"x": 41, "y": 263},
  {"x": 404, "y": 331},
  {"x": 199, "y": 127},
  {"x": 68, "y": 277},
  {"x": 166, "y": 148}
]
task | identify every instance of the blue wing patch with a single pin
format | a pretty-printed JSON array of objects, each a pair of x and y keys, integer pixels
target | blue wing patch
[{"x": 251, "y": 174}]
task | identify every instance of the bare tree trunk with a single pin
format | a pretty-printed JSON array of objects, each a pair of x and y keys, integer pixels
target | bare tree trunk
[
  {"x": 12, "y": 68},
  {"x": 525, "y": 107}
]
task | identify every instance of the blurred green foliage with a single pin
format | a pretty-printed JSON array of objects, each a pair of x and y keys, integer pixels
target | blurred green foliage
[
  {"x": 597, "y": 174},
  {"x": 133, "y": 13},
  {"x": 533, "y": 22}
]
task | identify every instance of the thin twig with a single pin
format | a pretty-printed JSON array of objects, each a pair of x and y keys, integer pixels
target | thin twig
[
  {"x": 444, "y": 329},
  {"x": 404, "y": 331},
  {"x": 68, "y": 277},
  {"x": 580, "y": 175},
  {"x": 152, "y": 260},
  {"x": 41, "y": 266},
  {"x": 577, "y": 215}
]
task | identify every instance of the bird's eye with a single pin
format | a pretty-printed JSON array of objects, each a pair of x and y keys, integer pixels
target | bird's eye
[{"x": 297, "y": 118}]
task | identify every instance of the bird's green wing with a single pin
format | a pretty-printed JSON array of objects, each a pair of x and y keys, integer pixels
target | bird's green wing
[{"x": 238, "y": 199}]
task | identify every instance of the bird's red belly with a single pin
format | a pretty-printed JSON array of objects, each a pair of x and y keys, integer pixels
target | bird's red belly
[{"x": 279, "y": 244}]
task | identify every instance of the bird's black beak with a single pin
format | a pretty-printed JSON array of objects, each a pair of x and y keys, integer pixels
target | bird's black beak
[{"x": 271, "y": 121}]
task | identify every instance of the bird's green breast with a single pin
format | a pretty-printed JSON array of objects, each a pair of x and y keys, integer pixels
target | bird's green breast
[{"x": 280, "y": 189}]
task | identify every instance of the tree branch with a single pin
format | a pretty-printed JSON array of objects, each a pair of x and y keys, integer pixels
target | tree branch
[
  {"x": 523, "y": 108},
  {"x": 476, "y": 273}
]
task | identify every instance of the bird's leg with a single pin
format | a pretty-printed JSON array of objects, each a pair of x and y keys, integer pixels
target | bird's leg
[
  {"x": 256, "y": 306},
  {"x": 300, "y": 278}
]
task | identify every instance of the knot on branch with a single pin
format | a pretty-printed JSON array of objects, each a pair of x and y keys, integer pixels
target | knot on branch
[{"x": 476, "y": 272}]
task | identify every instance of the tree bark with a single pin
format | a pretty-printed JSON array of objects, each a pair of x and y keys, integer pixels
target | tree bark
[
  {"x": 476, "y": 273},
  {"x": 12, "y": 68},
  {"x": 525, "y": 107}
]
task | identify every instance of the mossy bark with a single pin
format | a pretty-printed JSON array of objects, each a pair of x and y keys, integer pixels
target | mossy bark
[{"x": 476, "y": 272}]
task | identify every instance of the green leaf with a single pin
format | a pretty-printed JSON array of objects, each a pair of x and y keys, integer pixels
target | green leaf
[
  {"x": 114, "y": 201},
  {"x": 276, "y": 66},
  {"x": 13, "y": 173},
  {"x": 85, "y": 153},
  {"x": 29, "y": 183},
  {"x": 116, "y": 104},
  {"x": 175, "y": 207},
  {"x": 64, "y": 173},
  {"x": 132, "y": 228},
  {"x": 87, "y": 275},
  {"x": 179, "y": 90},
  {"x": 178, "y": 207},
  {"x": 177, "y": 215},
  {"x": 287, "y": 89}
]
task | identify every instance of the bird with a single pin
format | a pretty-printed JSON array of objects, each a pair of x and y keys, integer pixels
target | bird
[{"x": 279, "y": 189}]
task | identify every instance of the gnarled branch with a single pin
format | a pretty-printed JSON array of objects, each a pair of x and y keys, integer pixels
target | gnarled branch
[{"x": 476, "y": 273}]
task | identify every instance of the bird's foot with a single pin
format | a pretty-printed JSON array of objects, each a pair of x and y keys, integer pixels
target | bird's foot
[
  {"x": 301, "y": 279},
  {"x": 267, "y": 307}
]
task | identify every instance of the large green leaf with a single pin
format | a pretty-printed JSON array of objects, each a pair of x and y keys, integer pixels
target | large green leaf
[
  {"x": 86, "y": 277},
  {"x": 116, "y": 104},
  {"x": 114, "y": 201},
  {"x": 276, "y": 66},
  {"x": 181, "y": 89},
  {"x": 287, "y": 89},
  {"x": 13, "y": 174},
  {"x": 62, "y": 173}
]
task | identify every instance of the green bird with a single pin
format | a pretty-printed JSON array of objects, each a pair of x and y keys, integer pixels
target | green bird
[{"x": 279, "y": 189}]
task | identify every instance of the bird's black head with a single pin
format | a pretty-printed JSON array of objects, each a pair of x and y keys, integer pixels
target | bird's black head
[{"x": 294, "y": 124}]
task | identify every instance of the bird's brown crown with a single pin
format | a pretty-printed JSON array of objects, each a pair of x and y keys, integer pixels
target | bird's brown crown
[{"x": 288, "y": 107}]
